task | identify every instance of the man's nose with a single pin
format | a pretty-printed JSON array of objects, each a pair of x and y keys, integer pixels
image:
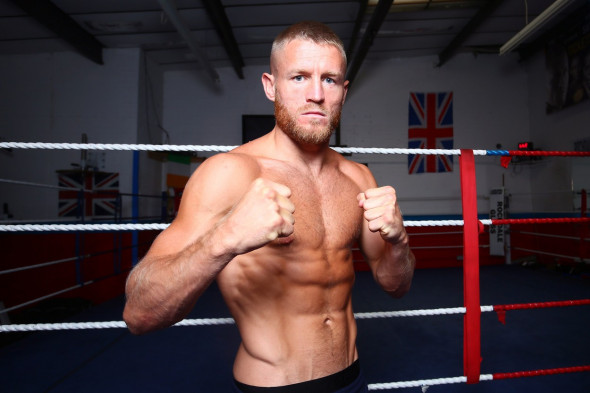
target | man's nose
[{"x": 315, "y": 91}]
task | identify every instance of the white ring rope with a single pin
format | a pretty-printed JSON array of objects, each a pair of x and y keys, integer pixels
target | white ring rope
[
  {"x": 38, "y": 265},
  {"x": 81, "y": 227},
  {"x": 105, "y": 325},
  {"x": 196, "y": 148},
  {"x": 425, "y": 383},
  {"x": 215, "y": 148},
  {"x": 162, "y": 226},
  {"x": 553, "y": 254},
  {"x": 113, "y": 146},
  {"x": 225, "y": 321},
  {"x": 27, "y": 183},
  {"x": 410, "y": 313}
]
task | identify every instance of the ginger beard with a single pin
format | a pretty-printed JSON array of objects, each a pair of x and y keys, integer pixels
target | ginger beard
[{"x": 316, "y": 133}]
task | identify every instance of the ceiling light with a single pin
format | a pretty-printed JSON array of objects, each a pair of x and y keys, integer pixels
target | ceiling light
[{"x": 537, "y": 23}]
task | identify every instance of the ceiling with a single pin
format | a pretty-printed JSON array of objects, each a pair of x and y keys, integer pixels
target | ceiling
[{"x": 207, "y": 34}]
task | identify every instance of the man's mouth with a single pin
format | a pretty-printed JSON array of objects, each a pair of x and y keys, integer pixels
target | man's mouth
[{"x": 314, "y": 113}]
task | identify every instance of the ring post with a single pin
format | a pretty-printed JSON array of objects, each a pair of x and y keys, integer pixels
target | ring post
[
  {"x": 471, "y": 321},
  {"x": 135, "y": 208},
  {"x": 584, "y": 231}
]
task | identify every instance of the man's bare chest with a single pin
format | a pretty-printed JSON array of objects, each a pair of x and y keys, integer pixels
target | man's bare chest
[{"x": 327, "y": 214}]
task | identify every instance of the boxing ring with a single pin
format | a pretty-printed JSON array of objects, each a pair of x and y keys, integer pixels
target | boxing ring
[{"x": 472, "y": 228}]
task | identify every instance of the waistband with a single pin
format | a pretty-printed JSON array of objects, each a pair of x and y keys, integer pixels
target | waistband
[{"x": 330, "y": 383}]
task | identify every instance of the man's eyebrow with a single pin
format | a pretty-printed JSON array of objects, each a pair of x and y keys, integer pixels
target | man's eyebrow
[
  {"x": 333, "y": 75},
  {"x": 327, "y": 74},
  {"x": 298, "y": 71}
]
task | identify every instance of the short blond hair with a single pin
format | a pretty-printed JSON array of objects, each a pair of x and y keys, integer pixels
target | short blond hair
[{"x": 307, "y": 30}]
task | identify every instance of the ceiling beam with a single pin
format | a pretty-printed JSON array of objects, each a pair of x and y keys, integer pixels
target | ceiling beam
[
  {"x": 169, "y": 8},
  {"x": 353, "y": 39},
  {"x": 482, "y": 14},
  {"x": 379, "y": 15},
  {"x": 357, "y": 27},
  {"x": 218, "y": 16},
  {"x": 50, "y": 16}
]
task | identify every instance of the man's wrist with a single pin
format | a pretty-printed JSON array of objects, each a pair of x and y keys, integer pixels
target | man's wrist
[{"x": 219, "y": 242}]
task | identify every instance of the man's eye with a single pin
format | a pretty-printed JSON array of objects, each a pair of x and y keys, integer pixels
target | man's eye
[
  {"x": 330, "y": 80},
  {"x": 298, "y": 78}
]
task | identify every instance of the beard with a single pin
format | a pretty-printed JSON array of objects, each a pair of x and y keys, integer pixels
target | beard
[{"x": 315, "y": 133}]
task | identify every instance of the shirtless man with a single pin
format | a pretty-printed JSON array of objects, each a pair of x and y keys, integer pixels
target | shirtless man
[{"x": 274, "y": 222}]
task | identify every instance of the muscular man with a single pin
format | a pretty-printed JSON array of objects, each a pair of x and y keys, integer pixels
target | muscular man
[{"x": 274, "y": 222}]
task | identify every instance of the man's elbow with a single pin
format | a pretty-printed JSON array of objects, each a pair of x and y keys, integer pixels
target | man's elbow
[
  {"x": 399, "y": 291},
  {"x": 137, "y": 323},
  {"x": 395, "y": 285}
]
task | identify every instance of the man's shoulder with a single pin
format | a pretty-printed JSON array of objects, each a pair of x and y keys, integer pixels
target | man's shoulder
[
  {"x": 232, "y": 162},
  {"x": 223, "y": 173},
  {"x": 359, "y": 173},
  {"x": 347, "y": 165}
]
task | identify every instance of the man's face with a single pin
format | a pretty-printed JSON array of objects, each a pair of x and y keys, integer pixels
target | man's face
[{"x": 309, "y": 91}]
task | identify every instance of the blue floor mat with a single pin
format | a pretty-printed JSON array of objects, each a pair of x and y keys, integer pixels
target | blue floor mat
[{"x": 199, "y": 359}]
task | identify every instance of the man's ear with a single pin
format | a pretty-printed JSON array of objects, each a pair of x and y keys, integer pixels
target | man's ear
[
  {"x": 268, "y": 83},
  {"x": 346, "y": 84}
]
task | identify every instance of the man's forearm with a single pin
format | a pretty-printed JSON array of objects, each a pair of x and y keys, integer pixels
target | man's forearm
[
  {"x": 162, "y": 290},
  {"x": 395, "y": 270}
]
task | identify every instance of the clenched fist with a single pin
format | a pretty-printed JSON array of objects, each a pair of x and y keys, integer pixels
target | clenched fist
[
  {"x": 382, "y": 213},
  {"x": 263, "y": 214}
]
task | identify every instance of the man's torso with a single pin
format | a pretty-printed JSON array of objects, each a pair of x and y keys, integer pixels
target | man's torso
[{"x": 291, "y": 298}]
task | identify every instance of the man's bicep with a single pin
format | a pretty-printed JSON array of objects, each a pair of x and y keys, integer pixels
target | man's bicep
[{"x": 209, "y": 195}]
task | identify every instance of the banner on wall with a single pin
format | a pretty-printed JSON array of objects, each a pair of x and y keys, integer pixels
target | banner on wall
[
  {"x": 498, "y": 212},
  {"x": 430, "y": 126},
  {"x": 100, "y": 200},
  {"x": 567, "y": 58}
]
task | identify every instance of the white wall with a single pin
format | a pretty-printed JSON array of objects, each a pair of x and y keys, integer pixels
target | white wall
[
  {"x": 56, "y": 98},
  {"x": 556, "y": 131},
  {"x": 194, "y": 113},
  {"x": 497, "y": 100},
  {"x": 490, "y": 107}
]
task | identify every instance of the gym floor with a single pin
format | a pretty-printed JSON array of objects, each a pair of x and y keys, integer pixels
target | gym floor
[{"x": 199, "y": 359}]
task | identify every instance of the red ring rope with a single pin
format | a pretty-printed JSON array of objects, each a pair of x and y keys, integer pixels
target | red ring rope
[
  {"x": 534, "y": 373},
  {"x": 507, "y": 221},
  {"x": 526, "y": 306},
  {"x": 506, "y": 159},
  {"x": 549, "y": 153},
  {"x": 501, "y": 309}
]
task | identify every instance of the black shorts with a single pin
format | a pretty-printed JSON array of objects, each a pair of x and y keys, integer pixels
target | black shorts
[{"x": 349, "y": 380}]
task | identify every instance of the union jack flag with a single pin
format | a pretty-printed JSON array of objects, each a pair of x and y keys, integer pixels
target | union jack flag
[
  {"x": 430, "y": 126},
  {"x": 99, "y": 200}
]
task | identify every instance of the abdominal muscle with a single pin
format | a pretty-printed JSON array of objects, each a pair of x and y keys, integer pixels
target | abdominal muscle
[{"x": 294, "y": 314}]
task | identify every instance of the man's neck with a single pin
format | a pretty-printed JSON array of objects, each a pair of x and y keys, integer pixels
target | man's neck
[{"x": 314, "y": 156}]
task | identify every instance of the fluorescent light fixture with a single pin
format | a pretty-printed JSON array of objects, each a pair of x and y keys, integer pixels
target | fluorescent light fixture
[{"x": 535, "y": 25}]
